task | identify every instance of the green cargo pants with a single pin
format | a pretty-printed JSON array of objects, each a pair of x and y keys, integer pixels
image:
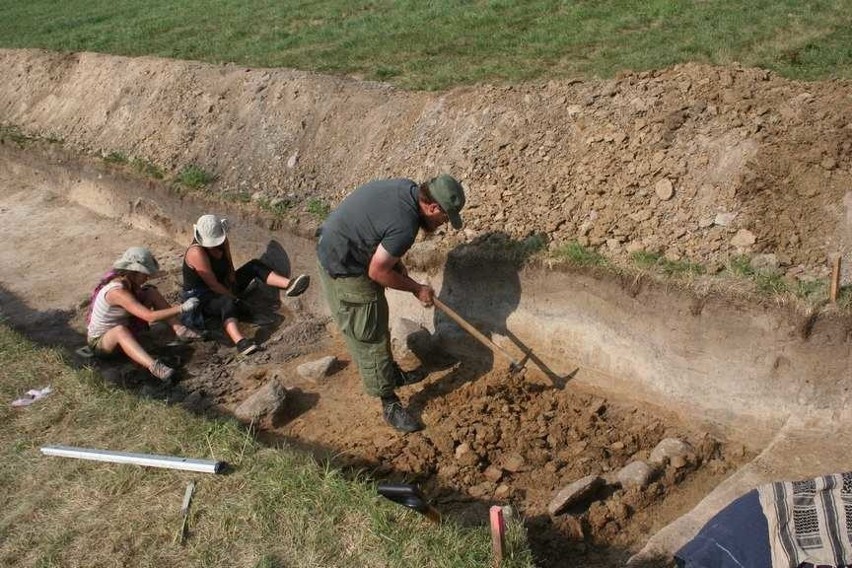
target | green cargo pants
[{"x": 360, "y": 309}]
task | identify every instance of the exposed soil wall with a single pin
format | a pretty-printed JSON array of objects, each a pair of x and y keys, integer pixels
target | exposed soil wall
[
  {"x": 741, "y": 367},
  {"x": 737, "y": 367},
  {"x": 695, "y": 162}
]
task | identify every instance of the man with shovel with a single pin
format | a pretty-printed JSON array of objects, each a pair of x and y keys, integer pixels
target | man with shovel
[{"x": 360, "y": 249}]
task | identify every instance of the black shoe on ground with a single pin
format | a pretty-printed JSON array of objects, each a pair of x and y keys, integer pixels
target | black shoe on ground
[
  {"x": 297, "y": 285},
  {"x": 404, "y": 378},
  {"x": 246, "y": 346},
  {"x": 397, "y": 416}
]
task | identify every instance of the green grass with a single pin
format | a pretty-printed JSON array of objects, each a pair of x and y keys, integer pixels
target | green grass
[
  {"x": 195, "y": 177},
  {"x": 277, "y": 508},
  {"x": 278, "y": 206},
  {"x": 116, "y": 158},
  {"x": 236, "y": 196},
  {"x": 441, "y": 43},
  {"x": 740, "y": 265},
  {"x": 578, "y": 255},
  {"x": 318, "y": 208},
  {"x": 655, "y": 261},
  {"x": 147, "y": 168},
  {"x": 14, "y": 135},
  {"x": 844, "y": 298}
]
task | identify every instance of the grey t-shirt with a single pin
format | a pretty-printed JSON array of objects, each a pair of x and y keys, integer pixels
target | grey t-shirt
[{"x": 380, "y": 212}]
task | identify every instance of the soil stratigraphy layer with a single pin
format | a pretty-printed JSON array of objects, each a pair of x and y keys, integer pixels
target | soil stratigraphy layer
[{"x": 695, "y": 162}]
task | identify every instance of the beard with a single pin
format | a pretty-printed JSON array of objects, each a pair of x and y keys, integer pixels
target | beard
[{"x": 428, "y": 225}]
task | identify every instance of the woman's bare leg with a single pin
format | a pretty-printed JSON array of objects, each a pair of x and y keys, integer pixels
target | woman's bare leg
[
  {"x": 276, "y": 280},
  {"x": 152, "y": 298},
  {"x": 120, "y": 336},
  {"x": 233, "y": 330},
  {"x": 292, "y": 286}
]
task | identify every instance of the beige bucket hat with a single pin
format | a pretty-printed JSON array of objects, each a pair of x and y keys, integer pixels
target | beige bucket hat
[
  {"x": 210, "y": 230},
  {"x": 138, "y": 259}
]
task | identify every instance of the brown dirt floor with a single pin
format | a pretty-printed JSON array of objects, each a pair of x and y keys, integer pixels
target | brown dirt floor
[{"x": 524, "y": 438}]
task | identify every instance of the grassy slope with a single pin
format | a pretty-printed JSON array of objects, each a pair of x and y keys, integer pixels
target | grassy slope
[
  {"x": 278, "y": 508},
  {"x": 441, "y": 43}
]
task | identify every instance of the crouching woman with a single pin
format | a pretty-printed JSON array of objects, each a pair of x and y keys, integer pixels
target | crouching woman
[
  {"x": 122, "y": 305},
  {"x": 209, "y": 274}
]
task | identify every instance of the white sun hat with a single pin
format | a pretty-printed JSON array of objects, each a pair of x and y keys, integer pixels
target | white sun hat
[
  {"x": 138, "y": 259},
  {"x": 210, "y": 230}
]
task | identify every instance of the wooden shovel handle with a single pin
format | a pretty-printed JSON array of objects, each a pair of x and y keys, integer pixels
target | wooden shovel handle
[{"x": 473, "y": 331}]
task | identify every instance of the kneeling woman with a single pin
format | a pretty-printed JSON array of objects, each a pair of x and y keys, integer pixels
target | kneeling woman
[
  {"x": 208, "y": 274},
  {"x": 122, "y": 305}
]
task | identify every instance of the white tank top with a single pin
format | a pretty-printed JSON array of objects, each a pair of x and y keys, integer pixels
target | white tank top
[{"x": 105, "y": 316}]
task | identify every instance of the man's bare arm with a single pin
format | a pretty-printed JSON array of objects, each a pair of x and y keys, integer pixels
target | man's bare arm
[{"x": 382, "y": 271}]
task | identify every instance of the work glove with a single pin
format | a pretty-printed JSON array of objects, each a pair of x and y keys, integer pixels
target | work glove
[{"x": 189, "y": 305}]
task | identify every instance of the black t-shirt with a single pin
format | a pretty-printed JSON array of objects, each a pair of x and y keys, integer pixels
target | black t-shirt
[
  {"x": 221, "y": 267},
  {"x": 380, "y": 212}
]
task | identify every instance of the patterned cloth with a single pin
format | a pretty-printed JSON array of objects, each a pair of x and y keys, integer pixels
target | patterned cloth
[{"x": 810, "y": 521}]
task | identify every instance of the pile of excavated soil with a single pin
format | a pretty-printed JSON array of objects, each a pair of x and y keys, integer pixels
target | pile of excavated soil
[{"x": 695, "y": 162}]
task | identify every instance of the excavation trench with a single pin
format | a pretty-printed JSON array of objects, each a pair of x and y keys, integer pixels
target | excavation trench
[{"x": 615, "y": 366}]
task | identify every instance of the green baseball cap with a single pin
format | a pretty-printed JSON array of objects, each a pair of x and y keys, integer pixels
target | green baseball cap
[{"x": 449, "y": 194}]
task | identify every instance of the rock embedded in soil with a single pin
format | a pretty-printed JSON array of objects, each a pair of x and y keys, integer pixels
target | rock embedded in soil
[
  {"x": 316, "y": 370},
  {"x": 743, "y": 239},
  {"x": 635, "y": 474},
  {"x": 664, "y": 189},
  {"x": 669, "y": 448},
  {"x": 264, "y": 407},
  {"x": 574, "y": 493}
]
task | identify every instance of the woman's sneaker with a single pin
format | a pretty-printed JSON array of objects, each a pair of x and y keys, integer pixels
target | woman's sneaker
[
  {"x": 246, "y": 346},
  {"x": 187, "y": 334},
  {"x": 297, "y": 285},
  {"x": 161, "y": 370}
]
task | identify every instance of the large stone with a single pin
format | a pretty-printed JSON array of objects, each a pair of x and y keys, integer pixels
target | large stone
[
  {"x": 724, "y": 219},
  {"x": 743, "y": 239},
  {"x": 493, "y": 474},
  {"x": 668, "y": 449},
  {"x": 765, "y": 263},
  {"x": 513, "y": 463},
  {"x": 664, "y": 189},
  {"x": 264, "y": 407},
  {"x": 635, "y": 474},
  {"x": 316, "y": 370},
  {"x": 574, "y": 493}
]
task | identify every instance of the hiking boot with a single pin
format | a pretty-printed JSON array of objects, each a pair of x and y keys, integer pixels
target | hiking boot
[
  {"x": 404, "y": 378},
  {"x": 246, "y": 346},
  {"x": 297, "y": 285},
  {"x": 161, "y": 370},
  {"x": 397, "y": 416}
]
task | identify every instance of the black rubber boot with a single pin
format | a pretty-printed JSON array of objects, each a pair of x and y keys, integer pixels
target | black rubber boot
[
  {"x": 404, "y": 378},
  {"x": 397, "y": 416}
]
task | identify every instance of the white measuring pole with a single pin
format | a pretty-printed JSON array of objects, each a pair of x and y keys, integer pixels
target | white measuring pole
[{"x": 148, "y": 460}]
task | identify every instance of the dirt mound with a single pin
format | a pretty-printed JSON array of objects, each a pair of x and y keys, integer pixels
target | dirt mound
[{"x": 695, "y": 162}]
